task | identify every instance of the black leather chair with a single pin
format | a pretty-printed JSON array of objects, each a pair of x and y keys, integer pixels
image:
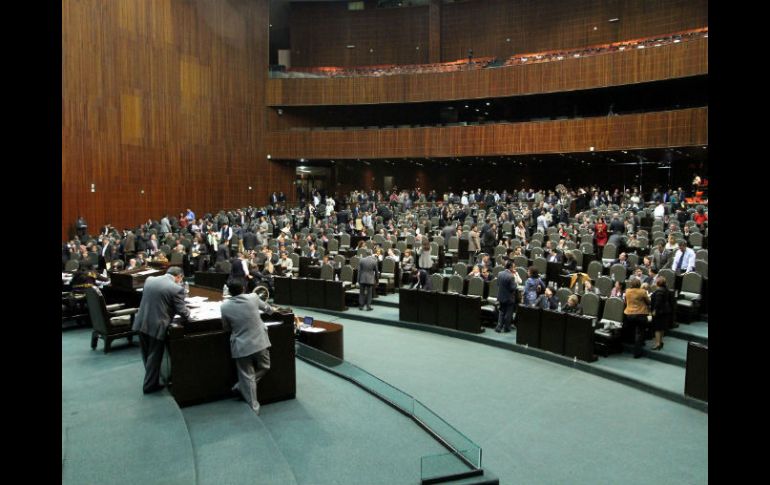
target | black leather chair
[{"x": 109, "y": 322}]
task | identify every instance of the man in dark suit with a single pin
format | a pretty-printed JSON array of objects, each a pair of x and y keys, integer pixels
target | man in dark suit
[
  {"x": 249, "y": 342},
  {"x": 162, "y": 298},
  {"x": 367, "y": 279},
  {"x": 249, "y": 240},
  {"x": 506, "y": 296},
  {"x": 82, "y": 228}
]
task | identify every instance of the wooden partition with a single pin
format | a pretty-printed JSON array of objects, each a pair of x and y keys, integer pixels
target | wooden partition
[
  {"x": 608, "y": 69},
  {"x": 163, "y": 109},
  {"x": 321, "y": 31},
  {"x": 675, "y": 128}
]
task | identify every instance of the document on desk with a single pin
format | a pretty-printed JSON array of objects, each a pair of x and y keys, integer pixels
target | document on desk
[
  {"x": 145, "y": 272},
  {"x": 208, "y": 310},
  {"x": 312, "y": 329},
  {"x": 271, "y": 324},
  {"x": 195, "y": 299}
]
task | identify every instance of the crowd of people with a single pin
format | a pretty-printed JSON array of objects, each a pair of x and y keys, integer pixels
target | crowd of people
[{"x": 254, "y": 244}]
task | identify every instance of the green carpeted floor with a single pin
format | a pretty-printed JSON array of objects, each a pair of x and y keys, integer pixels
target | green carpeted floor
[
  {"x": 332, "y": 433},
  {"x": 539, "y": 422}
]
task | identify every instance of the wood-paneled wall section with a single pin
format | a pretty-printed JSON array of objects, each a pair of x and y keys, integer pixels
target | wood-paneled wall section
[
  {"x": 608, "y": 69},
  {"x": 502, "y": 28},
  {"x": 319, "y": 33},
  {"x": 163, "y": 109},
  {"x": 686, "y": 127}
]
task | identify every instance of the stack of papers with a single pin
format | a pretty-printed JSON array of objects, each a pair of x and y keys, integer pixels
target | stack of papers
[
  {"x": 303, "y": 328},
  {"x": 208, "y": 310},
  {"x": 147, "y": 271},
  {"x": 195, "y": 299}
]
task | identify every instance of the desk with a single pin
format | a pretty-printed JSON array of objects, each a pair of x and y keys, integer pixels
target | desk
[
  {"x": 213, "y": 280},
  {"x": 202, "y": 368},
  {"x": 329, "y": 341}
]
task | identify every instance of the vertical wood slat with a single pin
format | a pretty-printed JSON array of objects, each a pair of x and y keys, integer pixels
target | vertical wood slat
[
  {"x": 320, "y": 31},
  {"x": 685, "y": 127},
  {"x": 165, "y": 97}
]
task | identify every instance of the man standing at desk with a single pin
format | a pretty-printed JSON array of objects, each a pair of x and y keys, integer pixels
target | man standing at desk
[
  {"x": 367, "y": 278},
  {"x": 249, "y": 343},
  {"x": 162, "y": 298},
  {"x": 506, "y": 296}
]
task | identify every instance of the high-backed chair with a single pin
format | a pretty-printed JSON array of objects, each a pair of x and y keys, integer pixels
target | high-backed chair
[
  {"x": 455, "y": 284},
  {"x": 613, "y": 313},
  {"x": 610, "y": 253},
  {"x": 492, "y": 294},
  {"x": 497, "y": 270},
  {"x": 594, "y": 270},
  {"x": 702, "y": 268},
  {"x": 521, "y": 261},
  {"x": 670, "y": 277},
  {"x": 437, "y": 282},
  {"x": 541, "y": 264},
  {"x": 590, "y": 303},
  {"x": 461, "y": 269},
  {"x": 344, "y": 241},
  {"x": 346, "y": 276},
  {"x": 388, "y": 274},
  {"x": 690, "y": 296},
  {"x": 604, "y": 285},
  {"x": 109, "y": 325},
  {"x": 562, "y": 294},
  {"x": 327, "y": 272},
  {"x": 618, "y": 272},
  {"x": 354, "y": 260},
  {"x": 333, "y": 247}
]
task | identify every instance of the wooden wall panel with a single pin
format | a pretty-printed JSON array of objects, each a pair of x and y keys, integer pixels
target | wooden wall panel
[
  {"x": 676, "y": 128},
  {"x": 319, "y": 31},
  {"x": 535, "y": 26},
  {"x": 609, "y": 69},
  {"x": 163, "y": 109}
]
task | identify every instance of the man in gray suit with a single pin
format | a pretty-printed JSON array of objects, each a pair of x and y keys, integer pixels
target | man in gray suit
[
  {"x": 506, "y": 296},
  {"x": 367, "y": 278},
  {"x": 249, "y": 343},
  {"x": 162, "y": 298}
]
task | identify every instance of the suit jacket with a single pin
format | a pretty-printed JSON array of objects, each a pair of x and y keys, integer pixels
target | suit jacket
[
  {"x": 241, "y": 316},
  {"x": 661, "y": 260},
  {"x": 474, "y": 241},
  {"x": 249, "y": 241},
  {"x": 162, "y": 298},
  {"x": 506, "y": 287},
  {"x": 367, "y": 271},
  {"x": 130, "y": 245}
]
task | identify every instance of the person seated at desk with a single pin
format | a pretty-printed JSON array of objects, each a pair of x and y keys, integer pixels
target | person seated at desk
[
  {"x": 330, "y": 262},
  {"x": 617, "y": 290},
  {"x": 85, "y": 277},
  {"x": 547, "y": 301},
  {"x": 285, "y": 264},
  {"x": 249, "y": 341},
  {"x": 589, "y": 287},
  {"x": 573, "y": 306},
  {"x": 391, "y": 255},
  {"x": 116, "y": 265},
  {"x": 622, "y": 260},
  {"x": 422, "y": 281},
  {"x": 570, "y": 264},
  {"x": 671, "y": 245},
  {"x": 132, "y": 264},
  {"x": 407, "y": 262},
  {"x": 474, "y": 272}
]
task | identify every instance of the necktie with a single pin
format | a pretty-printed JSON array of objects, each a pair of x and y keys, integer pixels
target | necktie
[{"x": 681, "y": 262}]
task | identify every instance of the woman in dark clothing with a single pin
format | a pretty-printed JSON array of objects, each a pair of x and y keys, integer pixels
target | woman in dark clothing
[{"x": 662, "y": 305}]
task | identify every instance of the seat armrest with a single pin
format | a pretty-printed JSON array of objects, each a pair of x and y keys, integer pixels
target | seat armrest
[
  {"x": 125, "y": 311},
  {"x": 115, "y": 306}
]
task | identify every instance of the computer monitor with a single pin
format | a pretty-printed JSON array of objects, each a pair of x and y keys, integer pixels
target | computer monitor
[{"x": 309, "y": 321}]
